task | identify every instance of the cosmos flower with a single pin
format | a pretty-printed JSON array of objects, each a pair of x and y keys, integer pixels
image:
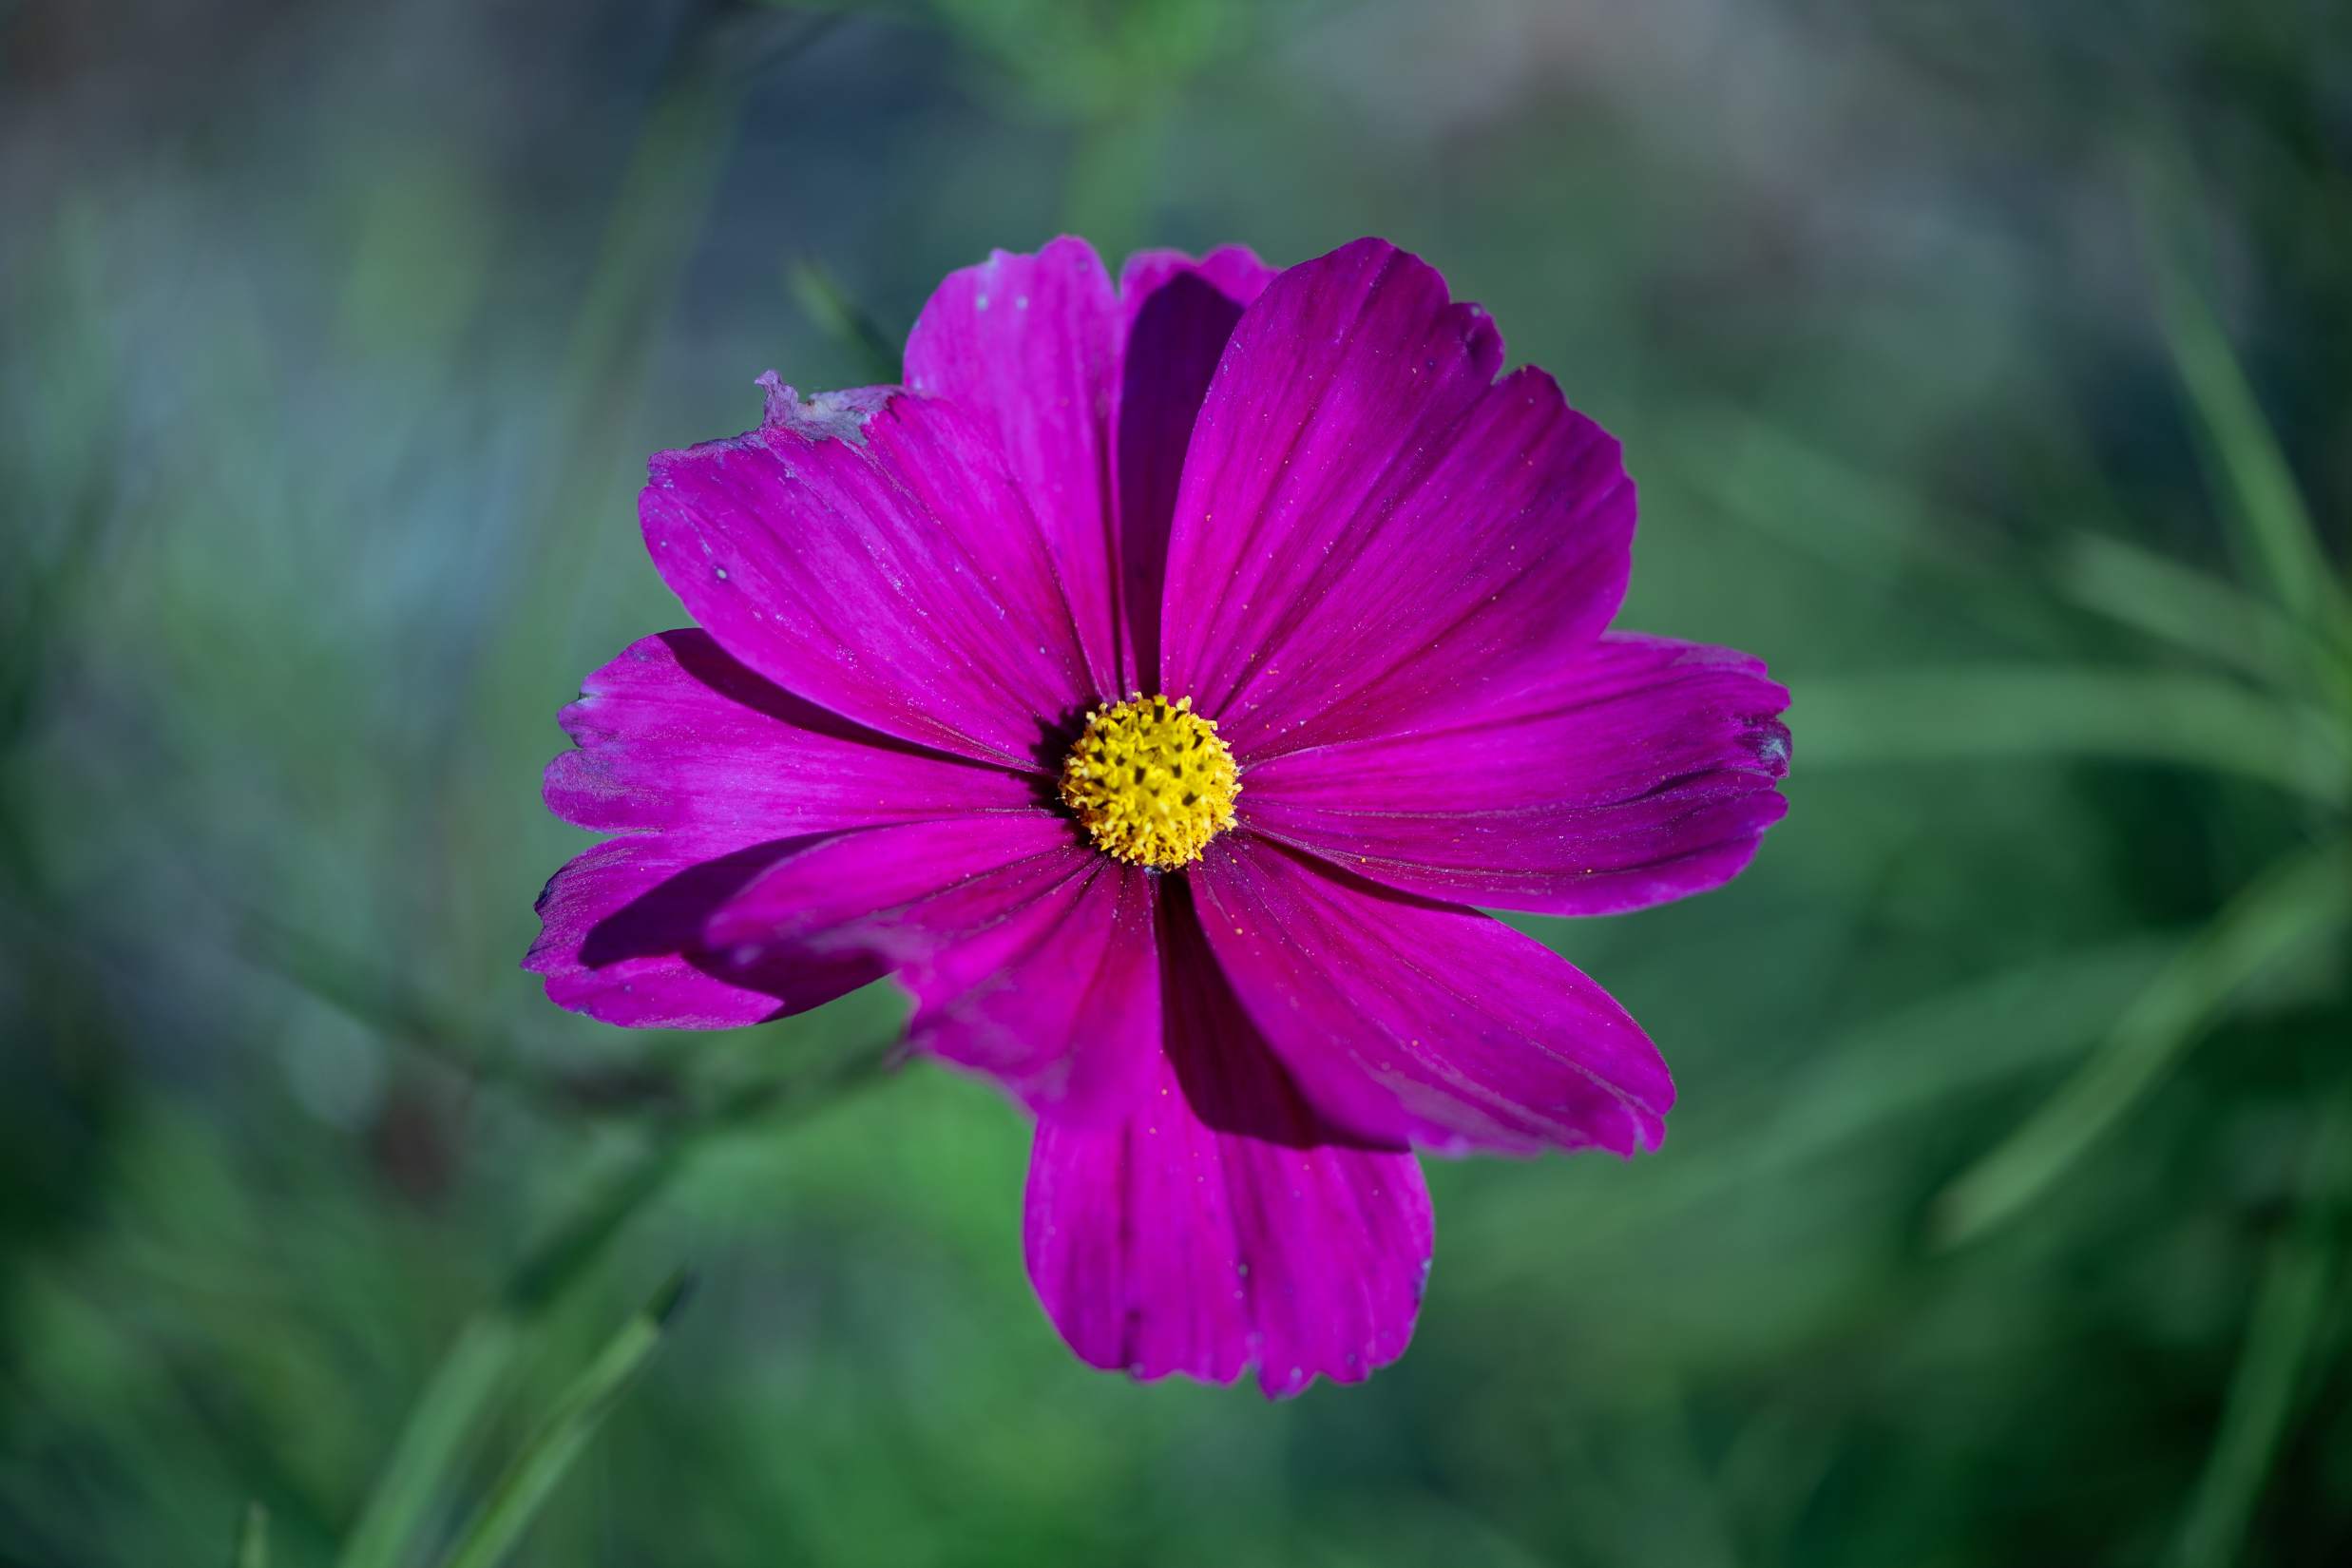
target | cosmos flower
[{"x": 1154, "y": 685}]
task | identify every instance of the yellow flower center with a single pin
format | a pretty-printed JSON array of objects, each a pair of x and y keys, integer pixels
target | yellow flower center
[{"x": 1150, "y": 781}]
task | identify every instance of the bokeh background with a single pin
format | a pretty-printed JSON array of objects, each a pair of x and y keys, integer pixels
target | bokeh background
[{"x": 1988, "y": 367}]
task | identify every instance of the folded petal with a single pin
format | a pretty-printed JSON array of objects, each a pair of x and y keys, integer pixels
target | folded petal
[
  {"x": 1406, "y": 1019},
  {"x": 676, "y": 736},
  {"x": 1644, "y": 769},
  {"x": 1222, "y": 1224},
  {"x": 1178, "y": 315},
  {"x": 620, "y": 939},
  {"x": 869, "y": 551},
  {"x": 1090, "y": 393},
  {"x": 1233, "y": 271},
  {"x": 1030, "y": 956},
  {"x": 1029, "y": 344},
  {"x": 1370, "y": 528}
]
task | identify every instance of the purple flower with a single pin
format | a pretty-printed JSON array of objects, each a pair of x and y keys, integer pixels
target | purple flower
[{"x": 1221, "y": 941}]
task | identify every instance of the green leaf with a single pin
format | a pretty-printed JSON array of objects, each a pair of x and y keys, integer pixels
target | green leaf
[
  {"x": 1936, "y": 1051},
  {"x": 253, "y": 1537},
  {"x": 2263, "y": 497},
  {"x": 1937, "y": 716},
  {"x": 839, "y": 316},
  {"x": 1868, "y": 1081},
  {"x": 433, "y": 1441},
  {"x": 2191, "y": 609},
  {"x": 1815, "y": 502},
  {"x": 2275, "y": 1369},
  {"x": 477, "y": 1370},
  {"x": 2298, "y": 904},
  {"x": 535, "y": 1473}
]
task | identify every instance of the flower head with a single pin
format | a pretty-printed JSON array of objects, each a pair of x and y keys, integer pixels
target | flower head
[
  {"x": 1156, "y": 684},
  {"x": 1151, "y": 783}
]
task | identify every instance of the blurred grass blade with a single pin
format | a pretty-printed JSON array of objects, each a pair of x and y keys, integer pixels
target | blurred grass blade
[
  {"x": 533, "y": 1475},
  {"x": 2175, "y": 603},
  {"x": 2263, "y": 496},
  {"x": 253, "y": 1537},
  {"x": 1929, "y": 1054},
  {"x": 2296, "y": 906},
  {"x": 470, "y": 1378},
  {"x": 1113, "y": 174},
  {"x": 2275, "y": 1369},
  {"x": 432, "y": 1442},
  {"x": 2288, "y": 1312},
  {"x": 822, "y": 297},
  {"x": 658, "y": 216},
  {"x": 1890, "y": 534},
  {"x": 1871, "y": 1081},
  {"x": 1817, "y": 503},
  {"x": 462, "y": 1388},
  {"x": 1941, "y": 716},
  {"x": 1825, "y": 507}
]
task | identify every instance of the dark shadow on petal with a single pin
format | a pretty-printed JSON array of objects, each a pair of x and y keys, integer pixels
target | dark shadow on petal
[
  {"x": 1173, "y": 348},
  {"x": 667, "y": 920},
  {"x": 1230, "y": 1076},
  {"x": 1056, "y": 736}
]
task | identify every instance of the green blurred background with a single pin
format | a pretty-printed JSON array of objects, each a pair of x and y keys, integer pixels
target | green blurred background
[{"x": 1985, "y": 366}]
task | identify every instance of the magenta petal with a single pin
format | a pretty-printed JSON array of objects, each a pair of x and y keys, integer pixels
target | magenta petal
[
  {"x": 895, "y": 889},
  {"x": 1222, "y": 1224},
  {"x": 1030, "y": 956},
  {"x": 716, "y": 774},
  {"x": 869, "y": 551},
  {"x": 621, "y": 940},
  {"x": 675, "y": 735},
  {"x": 1233, "y": 271},
  {"x": 1178, "y": 315},
  {"x": 1059, "y": 1001},
  {"x": 1645, "y": 770},
  {"x": 1371, "y": 529},
  {"x": 1029, "y": 344},
  {"x": 1426, "y": 1023},
  {"x": 1090, "y": 390}
]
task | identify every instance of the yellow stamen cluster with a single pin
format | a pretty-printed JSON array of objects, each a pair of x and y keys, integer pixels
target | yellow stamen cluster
[{"x": 1150, "y": 781}]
